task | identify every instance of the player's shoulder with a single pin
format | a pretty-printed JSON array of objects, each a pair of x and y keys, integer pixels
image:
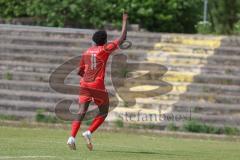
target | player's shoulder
[
  {"x": 110, "y": 46},
  {"x": 89, "y": 50}
]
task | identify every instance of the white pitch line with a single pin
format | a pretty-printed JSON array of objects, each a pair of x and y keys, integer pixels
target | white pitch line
[{"x": 22, "y": 157}]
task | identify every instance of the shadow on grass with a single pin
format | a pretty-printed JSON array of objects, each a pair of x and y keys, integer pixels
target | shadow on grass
[{"x": 140, "y": 152}]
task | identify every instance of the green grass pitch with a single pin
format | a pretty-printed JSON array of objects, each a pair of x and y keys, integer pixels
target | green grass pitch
[{"x": 43, "y": 143}]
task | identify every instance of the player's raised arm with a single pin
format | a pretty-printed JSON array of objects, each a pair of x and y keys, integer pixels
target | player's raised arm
[
  {"x": 124, "y": 28},
  {"x": 111, "y": 46}
]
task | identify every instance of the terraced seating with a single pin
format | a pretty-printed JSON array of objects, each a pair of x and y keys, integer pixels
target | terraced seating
[{"x": 204, "y": 72}]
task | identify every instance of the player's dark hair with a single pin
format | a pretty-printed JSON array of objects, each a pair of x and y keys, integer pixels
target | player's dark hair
[{"x": 100, "y": 37}]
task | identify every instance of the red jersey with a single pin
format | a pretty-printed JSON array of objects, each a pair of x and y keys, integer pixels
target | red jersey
[{"x": 93, "y": 65}]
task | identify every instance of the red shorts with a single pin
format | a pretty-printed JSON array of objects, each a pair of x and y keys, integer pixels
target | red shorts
[{"x": 99, "y": 96}]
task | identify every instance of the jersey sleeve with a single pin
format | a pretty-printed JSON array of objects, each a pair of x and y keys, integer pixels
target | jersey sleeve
[
  {"x": 111, "y": 46},
  {"x": 81, "y": 67}
]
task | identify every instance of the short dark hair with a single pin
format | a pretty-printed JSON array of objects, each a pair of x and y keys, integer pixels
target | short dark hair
[{"x": 100, "y": 37}]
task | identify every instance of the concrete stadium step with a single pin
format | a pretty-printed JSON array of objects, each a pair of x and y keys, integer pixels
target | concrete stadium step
[
  {"x": 202, "y": 40},
  {"x": 177, "y": 61},
  {"x": 182, "y": 117},
  {"x": 203, "y": 70},
  {"x": 170, "y": 76},
  {"x": 158, "y": 55},
  {"x": 35, "y": 77},
  {"x": 58, "y": 58},
  {"x": 61, "y": 51},
  {"x": 33, "y": 101},
  {"x": 10, "y": 48},
  {"x": 21, "y": 65},
  {"x": 223, "y": 120},
  {"x": 27, "y": 114},
  {"x": 25, "y": 85},
  {"x": 26, "y": 102},
  {"x": 191, "y": 59},
  {"x": 12, "y": 68},
  {"x": 182, "y": 88},
  {"x": 48, "y": 42},
  {"x": 13, "y": 95},
  {"x": 209, "y": 116},
  {"x": 207, "y": 88},
  {"x": 205, "y": 108},
  {"x": 231, "y": 41},
  {"x": 208, "y": 41},
  {"x": 177, "y": 87},
  {"x": 71, "y": 33},
  {"x": 73, "y": 79},
  {"x": 49, "y": 59},
  {"x": 18, "y": 114},
  {"x": 172, "y": 96},
  {"x": 29, "y": 109},
  {"x": 74, "y": 51},
  {"x": 56, "y": 42},
  {"x": 188, "y": 39},
  {"x": 200, "y": 97},
  {"x": 169, "y": 62},
  {"x": 200, "y": 78},
  {"x": 27, "y": 106},
  {"x": 169, "y": 47},
  {"x": 189, "y": 77},
  {"x": 27, "y": 66},
  {"x": 31, "y": 106},
  {"x": 132, "y": 54},
  {"x": 177, "y": 118},
  {"x": 133, "y": 36}
]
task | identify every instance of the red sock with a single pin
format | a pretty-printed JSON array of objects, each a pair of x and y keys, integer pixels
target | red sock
[
  {"x": 96, "y": 123},
  {"x": 75, "y": 128}
]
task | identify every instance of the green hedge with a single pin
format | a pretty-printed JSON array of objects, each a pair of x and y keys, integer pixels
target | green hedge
[
  {"x": 224, "y": 14},
  {"x": 199, "y": 127},
  {"x": 154, "y": 15}
]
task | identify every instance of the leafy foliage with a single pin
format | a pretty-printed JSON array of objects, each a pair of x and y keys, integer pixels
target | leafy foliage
[
  {"x": 154, "y": 15},
  {"x": 41, "y": 117},
  {"x": 224, "y": 15},
  {"x": 199, "y": 127},
  {"x": 13, "y": 8},
  {"x": 204, "y": 27},
  {"x": 237, "y": 28}
]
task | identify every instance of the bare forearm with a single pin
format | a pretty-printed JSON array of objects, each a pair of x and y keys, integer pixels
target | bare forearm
[{"x": 124, "y": 31}]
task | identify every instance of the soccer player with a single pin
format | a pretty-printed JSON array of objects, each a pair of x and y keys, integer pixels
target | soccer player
[{"x": 92, "y": 71}]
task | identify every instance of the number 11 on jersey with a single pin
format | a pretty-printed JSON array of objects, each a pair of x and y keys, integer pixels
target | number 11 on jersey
[{"x": 93, "y": 61}]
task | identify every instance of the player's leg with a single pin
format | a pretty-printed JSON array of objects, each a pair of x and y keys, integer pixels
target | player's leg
[
  {"x": 83, "y": 107},
  {"x": 102, "y": 100},
  {"x": 98, "y": 120}
]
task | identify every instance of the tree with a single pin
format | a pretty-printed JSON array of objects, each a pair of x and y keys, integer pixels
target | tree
[{"x": 224, "y": 15}]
